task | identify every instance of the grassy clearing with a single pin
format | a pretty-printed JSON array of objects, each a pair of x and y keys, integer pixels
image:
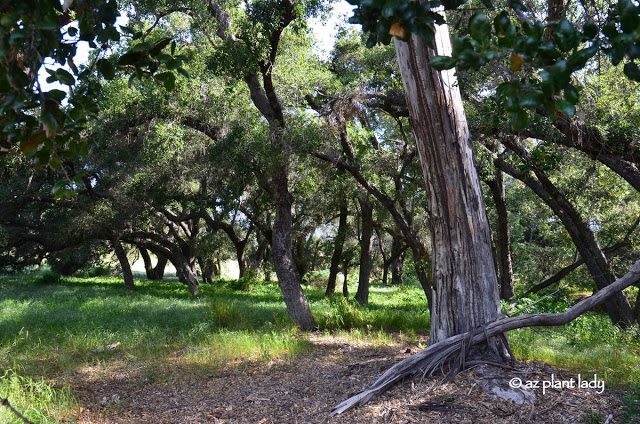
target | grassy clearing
[{"x": 51, "y": 327}]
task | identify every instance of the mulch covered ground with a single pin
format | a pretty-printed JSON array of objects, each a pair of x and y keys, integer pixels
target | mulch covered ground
[{"x": 305, "y": 389}]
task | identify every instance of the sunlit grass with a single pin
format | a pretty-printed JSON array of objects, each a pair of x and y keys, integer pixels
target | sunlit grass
[
  {"x": 616, "y": 360},
  {"x": 52, "y": 327},
  {"x": 36, "y": 399}
]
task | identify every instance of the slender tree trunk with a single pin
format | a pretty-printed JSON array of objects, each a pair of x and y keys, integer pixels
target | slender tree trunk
[
  {"x": 503, "y": 237},
  {"x": 242, "y": 261},
  {"x": 366, "y": 262},
  {"x": 464, "y": 277},
  {"x": 124, "y": 264},
  {"x": 397, "y": 265},
  {"x": 294, "y": 297},
  {"x": 336, "y": 258},
  {"x": 345, "y": 273}
]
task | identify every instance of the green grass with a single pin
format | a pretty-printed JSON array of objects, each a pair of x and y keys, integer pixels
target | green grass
[
  {"x": 51, "y": 327},
  {"x": 590, "y": 344}
]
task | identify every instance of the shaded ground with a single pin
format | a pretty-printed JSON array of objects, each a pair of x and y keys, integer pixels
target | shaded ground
[{"x": 305, "y": 389}]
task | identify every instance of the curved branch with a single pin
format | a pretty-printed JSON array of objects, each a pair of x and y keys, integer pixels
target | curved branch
[{"x": 430, "y": 359}]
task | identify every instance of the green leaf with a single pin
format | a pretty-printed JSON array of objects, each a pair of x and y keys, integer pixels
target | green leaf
[
  {"x": 65, "y": 77},
  {"x": 566, "y": 36},
  {"x": 632, "y": 71},
  {"x": 106, "y": 69},
  {"x": 131, "y": 58},
  {"x": 590, "y": 30},
  {"x": 571, "y": 94},
  {"x": 184, "y": 72},
  {"x": 629, "y": 18},
  {"x": 57, "y": 95},
  {"x": 566, "y": 107},
  {"x": 158, "y": 46},
  {"x": 50, "y": 122},
  {"x": 168, "y": 80},
  {"x": 480, "y": 27},
  {"x": 442, "y": 62},
  {"x": 532, "y": 99},
  {"x": 519, "y": 120}
]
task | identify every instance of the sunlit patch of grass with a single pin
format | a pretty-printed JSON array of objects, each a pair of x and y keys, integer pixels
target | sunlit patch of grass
[
  {"x": 36, "y": 399},
  {"x": 616, "y": 364}
]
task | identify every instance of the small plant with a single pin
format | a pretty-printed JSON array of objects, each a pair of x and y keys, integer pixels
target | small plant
[
  {"x": 246, "y": 282},
  {"x": 592, "y": 417},
  {"x": 631, "y": 408},
  {"x": 343, "y": 314}
]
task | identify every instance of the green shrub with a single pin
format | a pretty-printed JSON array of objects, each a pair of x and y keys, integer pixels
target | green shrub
[
  {"x": 631, "y": 408},
  {"x": 246, "y": 282},
  {"x": 343, "y": 314},
  {"x": 49, "y": 277}
]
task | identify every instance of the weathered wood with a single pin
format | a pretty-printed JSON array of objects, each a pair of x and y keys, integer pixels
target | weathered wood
[
  {"x": 433, "y": 357},
  {"x": 464, "y": 276}
]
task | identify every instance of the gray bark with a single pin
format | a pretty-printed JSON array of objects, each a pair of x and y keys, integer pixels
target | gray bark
[
  {"x": 289, "y": 282},
  {"x": 464, "y": 277}
]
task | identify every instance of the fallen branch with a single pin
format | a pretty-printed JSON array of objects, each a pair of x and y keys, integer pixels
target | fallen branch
[
  {"x": 5, "y": 402},
  {"x": 435, "y": 356}
]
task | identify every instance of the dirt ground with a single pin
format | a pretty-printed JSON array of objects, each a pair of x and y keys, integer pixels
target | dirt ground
[{"x": 305, "y": 389}]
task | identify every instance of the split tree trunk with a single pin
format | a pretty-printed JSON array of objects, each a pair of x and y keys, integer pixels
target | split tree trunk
[
  {"x": 464, "y": 277},
  {"x": 153, "y": 273}
]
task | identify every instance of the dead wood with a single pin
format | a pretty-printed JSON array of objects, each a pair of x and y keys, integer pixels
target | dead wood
[{"x": 449, "y": 351}]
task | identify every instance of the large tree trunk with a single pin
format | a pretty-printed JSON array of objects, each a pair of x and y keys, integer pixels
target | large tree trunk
[
  {"x": 503, "y": 237},
  {"x": 294, "y": 297},
  {"x": 464, "y": 277},
  {"x": 124, "y": 264},
  {"x": 336, "y": 258},
  {"x": 366, "y": 262}
]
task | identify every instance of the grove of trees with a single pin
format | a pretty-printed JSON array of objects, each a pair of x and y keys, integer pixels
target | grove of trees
[{"x": 204, "y": 132}]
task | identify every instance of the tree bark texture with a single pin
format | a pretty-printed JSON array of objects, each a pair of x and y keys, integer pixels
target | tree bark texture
[
  {"x": 366, "y": 246},
  {"x": 289, "y": 282},
  {"x": 124, "y": 264},
  {"x": 503, "y": 237},
  {"x": 336, "y": 257},
  {"x": 464, "y": 277}
]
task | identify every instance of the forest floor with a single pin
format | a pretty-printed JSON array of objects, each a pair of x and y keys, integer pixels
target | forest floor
[{"x": 305, "y": 388}]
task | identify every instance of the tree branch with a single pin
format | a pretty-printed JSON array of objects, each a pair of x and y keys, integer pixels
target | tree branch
[{"x": 433, "y": 357}]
